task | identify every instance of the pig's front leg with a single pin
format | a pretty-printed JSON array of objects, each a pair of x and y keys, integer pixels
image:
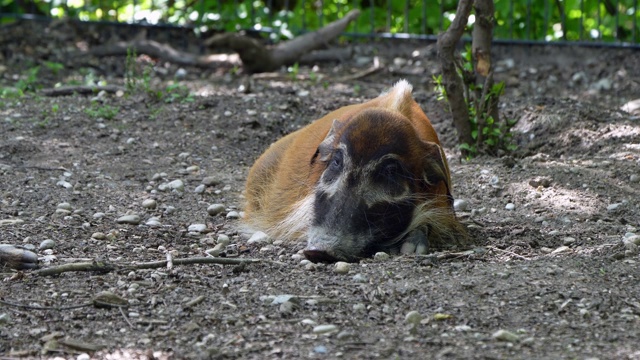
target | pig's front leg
[{"x": 416, "y": 242}]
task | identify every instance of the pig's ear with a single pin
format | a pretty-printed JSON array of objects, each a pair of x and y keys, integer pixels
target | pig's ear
[
  {"x": 323, "y": 153},
  {"x": 435, "y": 169}
]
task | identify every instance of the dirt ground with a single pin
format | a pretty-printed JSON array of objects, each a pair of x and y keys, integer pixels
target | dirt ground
[{"x": 556, "y": 277}]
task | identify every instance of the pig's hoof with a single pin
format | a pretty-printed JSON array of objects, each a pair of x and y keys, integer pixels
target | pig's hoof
[
  {"x": 416, "y": 243},
  {"x": 16, "y": 258}
]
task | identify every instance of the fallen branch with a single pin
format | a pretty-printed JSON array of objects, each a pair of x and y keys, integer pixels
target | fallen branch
[
  {"x": 101, "y": 266},
  {"x": 161, "y": 51},
  {"x": 81, "y": 89},
  {"x": 364, "y": 73},
  {"x": 257, "y": 57}
]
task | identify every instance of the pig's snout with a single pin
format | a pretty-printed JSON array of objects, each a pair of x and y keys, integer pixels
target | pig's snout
[{"x": 317, "y": 255}]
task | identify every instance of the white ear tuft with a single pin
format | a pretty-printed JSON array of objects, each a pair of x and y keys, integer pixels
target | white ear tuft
[{"x": 399, "y": 95}]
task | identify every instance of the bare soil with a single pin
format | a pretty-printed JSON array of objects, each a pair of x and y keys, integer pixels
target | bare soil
[{"x": 553, "y": 272}]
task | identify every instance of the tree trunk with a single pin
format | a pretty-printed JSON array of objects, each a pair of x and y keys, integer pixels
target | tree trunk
[{"x": 452, "y": 83}]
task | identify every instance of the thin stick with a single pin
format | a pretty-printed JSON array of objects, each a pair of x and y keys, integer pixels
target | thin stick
[{"x": 508, "y": 252}]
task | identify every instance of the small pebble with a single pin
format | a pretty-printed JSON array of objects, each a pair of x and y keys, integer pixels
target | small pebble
[
  {"x": 460, "y": 205},
  {"x": 359, "y": 307},
  {"x": 308, "y": 322},
  {"x": 200, "y": 228},
  {"x": 64, "y": 206},
  {"x": 181, "y": 73},
  {"x": 199, "y": 189},
  {"x": 210, "y": 181},
  {"x": 504, "y": 335},
  {"x": 413, "y": 318},
  {"x": 279, "y": 299},
  {"x": 98, "y": 236},
  {"x": 193, "y": 168},
  {"x": 98, "y": 215},
  {"x": 223, "y": 239},
  {"x": 258, "y": 238},
  {"x": 614, "y": 207},
  {"x": 324, "y": 329},
  {"x": 560, "y": 249},
  {"x": 83, "y": 356},
  {"x": 64, "y": 184},
  {"x": 634, "y": 178},
  {"x": 233, "y": 215},
  {"x": 568, "y": 241},
  {"x": 149, "y": 204},
  {"x": 47, "y": 244},
  {"x": 341, "y": 267},
  {"x": 359, "y": 278},
  {"x": 635, "y": 239},
  {"x": 345, "y": 334},
  {"x": 177, "y": 185},
  {"x": 510, "y": 206},
  {"x": 540, "y": 181},
  {"x": 320, "y": 349},
  {"x": 169, "y": 210},
  {"x": 381, "y": 256},
  {"x": 132, "y": 219},
  {"x": 215, "y": 209},
  {"x": 153, "y": 222},
  {"x": 217, "y": 250}
]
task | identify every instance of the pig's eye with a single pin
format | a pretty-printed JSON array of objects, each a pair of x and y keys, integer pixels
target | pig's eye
[
  {"x": 390, "y": 170},
  {"x": 334, "y": 168},
  {"x": 392, "y": 176},
  {"x": 337, "y": 161}
]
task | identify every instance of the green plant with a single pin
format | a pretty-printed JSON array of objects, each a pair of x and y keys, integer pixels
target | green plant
[
  {"x": 10, "y": 93},
  {"x": 293, "y": 71},
  {"x": 54, "y": 67},
  {"x": 130, "y": 71},
  {"x": 177, "y": 92},
  {"x": 490, "y": 133},
  {"x": 102, "y": 111},
  {"x": 29, "y": 81}
]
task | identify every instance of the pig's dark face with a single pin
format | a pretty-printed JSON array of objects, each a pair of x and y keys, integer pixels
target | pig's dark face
[{"x": 377, "y": 176}]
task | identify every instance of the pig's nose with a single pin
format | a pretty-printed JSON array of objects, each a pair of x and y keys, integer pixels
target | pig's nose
[{"x": 316, "y": 255}]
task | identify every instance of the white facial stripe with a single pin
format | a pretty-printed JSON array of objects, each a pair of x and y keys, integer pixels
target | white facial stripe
[{"x": 332, "y": 188}]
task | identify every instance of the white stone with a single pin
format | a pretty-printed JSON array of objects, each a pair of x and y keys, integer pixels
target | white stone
[
  {"x": 197, "y": 228},
  {"x": 258, "y": 238},
  {"x": 413, "y": 318},
  {"x": 149, "y": 203},
  {"x": 510, "y": 206},
  {"x": 460, "y": 205},
  {"x": 341, "y": 267},
  {"x": 215, "y": 209},
  {"x": 176, "y": 185},
  {"x": 131, "y": 219},
  {"x": 381, "y": 256},
  {"x": 65, "y": 206},
  {"x": 324, "y": 329},
  {"x": 47, "y": 244}
]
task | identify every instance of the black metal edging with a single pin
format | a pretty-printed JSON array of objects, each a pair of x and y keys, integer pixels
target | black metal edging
[{"x": 386, "y": 36}]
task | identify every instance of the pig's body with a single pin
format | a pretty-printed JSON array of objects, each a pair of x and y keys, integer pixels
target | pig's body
[{"x": 365, "y": 178}]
